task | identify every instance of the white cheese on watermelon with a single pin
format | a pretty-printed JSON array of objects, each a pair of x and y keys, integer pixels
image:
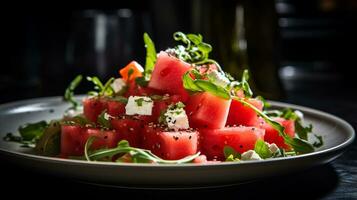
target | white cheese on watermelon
[{"x": 141, "y": 105}]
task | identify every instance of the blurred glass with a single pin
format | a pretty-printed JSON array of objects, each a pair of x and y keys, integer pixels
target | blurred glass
[
  {"x": 101, "y": 42},
  {"x": 244, "y": 36}
]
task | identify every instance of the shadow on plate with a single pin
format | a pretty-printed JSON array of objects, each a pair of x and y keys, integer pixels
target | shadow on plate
[{"x": 313, "y": 183}]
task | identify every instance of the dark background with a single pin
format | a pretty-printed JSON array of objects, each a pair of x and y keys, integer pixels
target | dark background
[
  {"x": 301, "y": 52},
  {"x": 292, "y": 47}
]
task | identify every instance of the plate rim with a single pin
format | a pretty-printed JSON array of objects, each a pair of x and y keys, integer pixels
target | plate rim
[{"x": 341, "y": 147}]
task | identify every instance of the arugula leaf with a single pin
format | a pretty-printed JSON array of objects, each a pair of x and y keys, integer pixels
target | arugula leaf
[
  {"x": 69, "y": 93},
  {"x": 103, "y": 90},
  {"x": 299, "y": 145},
  {"x": 265, "y": 103},
  {"x": 189, "y": 83},
  {"x": 150, "y": 56},
  {"x": 262, "y": 149},
  {"x": 302, "y": 131},
  {"x": 200, "y": 85},
  {"x": 32, "y": 131},
  {"x": 230, "y": 154},
  {"x": 49, "y": 143},
  {"x": 138, "y": 154},
  {"x": 212, "y": 88},
  {"x": 318, "y": 143},
  {"x": 245, "y": 85},
  {"x": 29, "y": 134},
  {"x": 103, "y": 120}
]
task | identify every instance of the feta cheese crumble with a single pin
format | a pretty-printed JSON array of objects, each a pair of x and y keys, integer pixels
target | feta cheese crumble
[
  {"x": 118, "y": 85},
  {"x": 176, "y": 118},
  {"x": 250, "y": 155},
  {"x": 141, "y": 105},
  {"x": 219, "y": 78},
  {"x": 274, "y": 149},
  {"x": 299, "y": 114}
]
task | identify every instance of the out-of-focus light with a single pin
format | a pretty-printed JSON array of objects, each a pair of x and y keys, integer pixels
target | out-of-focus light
[
  {"x": 125, "y": 13},
  {"x": 287, "y": 71}
]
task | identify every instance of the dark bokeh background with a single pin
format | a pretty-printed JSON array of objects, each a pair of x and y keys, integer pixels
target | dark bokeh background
[{"x": 293, "y": 48}]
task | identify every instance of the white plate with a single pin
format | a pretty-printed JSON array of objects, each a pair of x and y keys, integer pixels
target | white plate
[{"x": 337, "y": 135}]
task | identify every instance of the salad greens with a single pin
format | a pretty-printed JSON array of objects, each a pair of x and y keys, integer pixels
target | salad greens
[
  {"x": 150, "y": 56},
  {"x": 29, "y": 134},
  {"x": 136, "y": 154},
  {"x": 101, "y": 89},
  {"x": 69, "y": 93}
]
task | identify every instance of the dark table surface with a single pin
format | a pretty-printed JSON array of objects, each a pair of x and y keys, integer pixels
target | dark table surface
[{"x": 336, "y": 180}]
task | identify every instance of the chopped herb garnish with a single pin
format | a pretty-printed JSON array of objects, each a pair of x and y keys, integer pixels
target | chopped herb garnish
[
  {"x": 104, "y": 120},
  {"x": 140, "y": 101}
]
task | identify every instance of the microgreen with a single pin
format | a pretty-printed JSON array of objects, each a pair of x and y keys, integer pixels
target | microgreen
[
  {"x": 137, "y": 154},
  {"x": 150, "y": 56},
  {"x": 230, "y": 154},
  {"x": 262, "y": 149},
  {"x": 299, "y": 145},
  {"x": 101, "y": 89},
  {"x": 193, "y": 50},
  {"x": 243, "y": 84},
  {"x": 69, "y": 93}
]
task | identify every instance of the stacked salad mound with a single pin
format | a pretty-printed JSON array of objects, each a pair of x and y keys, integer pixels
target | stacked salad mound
[{"x": 182, "y": 107}]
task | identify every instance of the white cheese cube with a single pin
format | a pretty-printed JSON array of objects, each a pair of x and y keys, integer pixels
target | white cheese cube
[
  {"x": 299, "y": 114},
  {"x": 140, "y": 105},
  {"x": 250, "y": 155},
  {"x": 176, "y": 119},
  {"x": 118, "y": 84},
  {"x": 274, "y": 149}
]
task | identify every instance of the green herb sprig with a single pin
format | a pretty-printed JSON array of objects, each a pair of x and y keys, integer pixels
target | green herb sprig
[
  {"x": 138, "y": 155},
  {"x": 299, "y": 145},
  {"x": 200, "y": 85},
  {"x": 150, "y": 56},
  {"x": 29, "y": 134},
  {"x": 101, "y": 89},
  {"x": 193, "y": 50},
  {"x": 69, "y": 93}
]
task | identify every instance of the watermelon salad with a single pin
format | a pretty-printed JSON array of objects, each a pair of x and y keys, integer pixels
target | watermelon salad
[{"x": 180, "y": 108}]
